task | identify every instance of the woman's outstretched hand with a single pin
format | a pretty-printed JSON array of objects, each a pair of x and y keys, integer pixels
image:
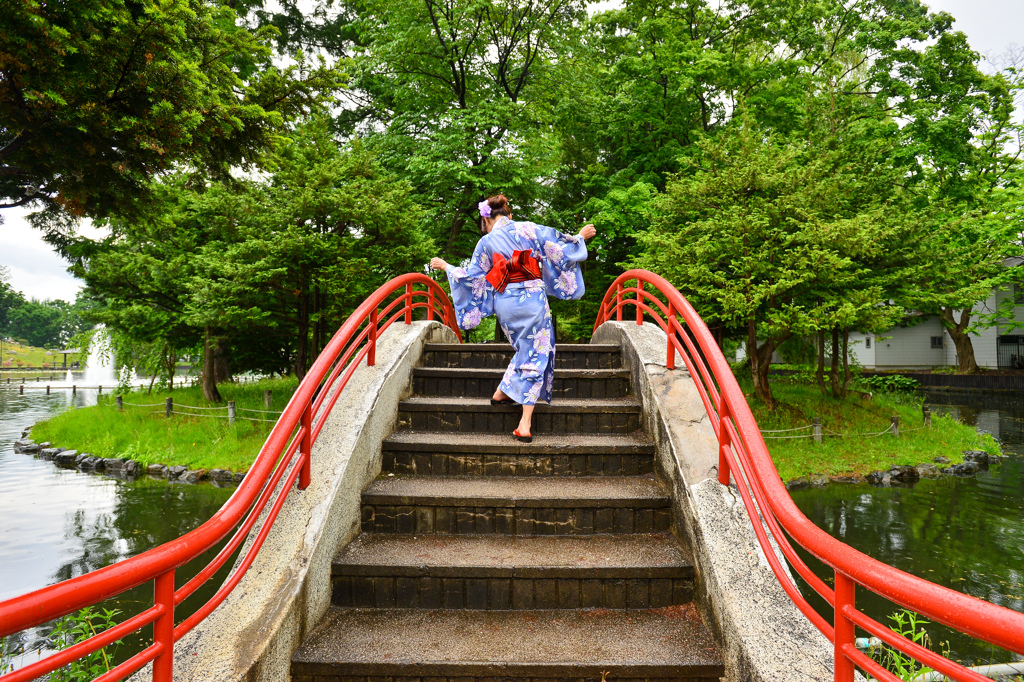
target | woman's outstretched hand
[
  {"x": 588, "y": 231},
  {"x": 438, "y": 264}
]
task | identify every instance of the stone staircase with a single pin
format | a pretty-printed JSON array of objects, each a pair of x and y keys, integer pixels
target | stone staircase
[{"x": 482, "y": 557}]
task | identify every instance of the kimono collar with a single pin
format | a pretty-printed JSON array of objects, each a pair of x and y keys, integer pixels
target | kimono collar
[{"x": 502, "y": 221}]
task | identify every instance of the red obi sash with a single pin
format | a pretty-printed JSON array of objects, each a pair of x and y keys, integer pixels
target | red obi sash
[{"x": 521, "y": 267}]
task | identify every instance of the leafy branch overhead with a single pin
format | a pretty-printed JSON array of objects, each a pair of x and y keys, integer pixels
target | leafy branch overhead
[{"x": 98, "y": 98}]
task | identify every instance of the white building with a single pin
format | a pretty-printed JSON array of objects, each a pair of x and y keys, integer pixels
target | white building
[{"x": 927, "y": 344}]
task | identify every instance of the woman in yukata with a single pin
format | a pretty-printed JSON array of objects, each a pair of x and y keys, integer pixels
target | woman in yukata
[{"x": 515, "y": 267}]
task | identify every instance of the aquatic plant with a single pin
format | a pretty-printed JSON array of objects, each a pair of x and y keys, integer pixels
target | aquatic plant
[{"x": 78, "y": 627}]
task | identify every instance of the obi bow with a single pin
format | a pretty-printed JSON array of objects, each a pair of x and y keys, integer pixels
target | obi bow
[{"x": 522, "y": 266}]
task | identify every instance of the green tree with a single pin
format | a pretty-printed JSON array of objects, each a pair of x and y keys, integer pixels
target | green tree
[
  {"x": 460, "y": 92},
  {"x": 259, "y": 273},
  {"x": 773, "y": 237},
  {"x": 99, "y": 97}
]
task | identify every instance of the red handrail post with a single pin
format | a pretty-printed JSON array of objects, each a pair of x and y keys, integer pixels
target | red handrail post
[
  {"x": 430, "y": 303},
  {"x": 371, "y": 353},
  {"x": 639, "y": 300},
  {"x": 670, "y": 361},
  {"x": 306, "y": 446},
  {"x": 618, "y": 303},
  {"x": 408, "y": 303},
  {"x": 163, "y": 627},
  {"x": 723, "y": 443},
  {"x": 845, "y": 629}
]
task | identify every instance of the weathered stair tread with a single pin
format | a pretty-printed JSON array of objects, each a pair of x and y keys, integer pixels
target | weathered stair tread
[
  {"x": 559, "y": 405},
  {"x": 505, "y": 443},
  {"x": 649, "y": 555},
  {"x": 485, "y": 373},
  {"x": 663, "y": 643},
  {"x": 504, "y": 347},
  {"x": 606, "y": 491}
]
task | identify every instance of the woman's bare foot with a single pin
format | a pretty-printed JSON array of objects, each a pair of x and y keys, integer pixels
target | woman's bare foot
[{"x": 526, "y": 422}]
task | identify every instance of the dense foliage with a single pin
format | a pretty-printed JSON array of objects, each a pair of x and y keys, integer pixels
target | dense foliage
[{"x": 800, "y": 169}]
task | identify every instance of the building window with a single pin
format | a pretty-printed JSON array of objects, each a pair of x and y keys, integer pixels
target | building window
[
  {"x": 867, "y": 342},
  {"x": 1018, "y": 293},
  {"x": 936, "y": 342}
]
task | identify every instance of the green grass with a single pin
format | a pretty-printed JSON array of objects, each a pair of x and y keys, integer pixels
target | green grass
[
  {"x": 146, "y": 435},
  {"x": 16, "y": 355},
  {"x": 799, "y": 404}
]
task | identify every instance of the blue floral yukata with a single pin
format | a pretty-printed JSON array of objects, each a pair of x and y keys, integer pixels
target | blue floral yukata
[{"x": 522, "y": 309}]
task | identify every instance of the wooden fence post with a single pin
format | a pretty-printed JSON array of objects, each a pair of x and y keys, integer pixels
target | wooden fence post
[
  {"x": 231, "y": 412},
  {"x": 817, "y": 430},
  {"x": 120, "y": 403},
  {"x": 895, "y": 426},
  {"x": 266, "y": 399},
  {"x": 169, "y": 408}
]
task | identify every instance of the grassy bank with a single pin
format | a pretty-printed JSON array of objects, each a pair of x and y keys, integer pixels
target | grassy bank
[
  {"x": 146, "y": 435},
  {"x": 800, "y": 403},
  {"x": 17, "y": 355}
]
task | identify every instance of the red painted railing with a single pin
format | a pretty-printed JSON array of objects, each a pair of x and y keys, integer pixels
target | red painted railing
[
  {"x": 284, "y": 458},
  {"x": 744, "y": 455}
]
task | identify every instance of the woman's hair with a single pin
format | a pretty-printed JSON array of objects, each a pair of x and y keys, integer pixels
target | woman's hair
[{"x": 499, "y": 205}]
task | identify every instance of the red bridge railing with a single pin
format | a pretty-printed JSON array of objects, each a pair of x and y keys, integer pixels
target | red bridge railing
[
  {"x": 283, "y": 460},
  {"x": 744, "y": 458}
]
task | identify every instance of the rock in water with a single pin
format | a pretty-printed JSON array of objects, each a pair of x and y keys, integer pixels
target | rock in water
[
  {"x": 965, "y": 469},
  {"x": 819, "y": 480},
  {"x": 978, "y": 456},
  {"x": 194, "y": 476},
  {"x": 66, "y": 459},
  {"x": 797, "y": 483},
  {"x": 904, "y": 474},
  {"x": 928, "y": 470}
]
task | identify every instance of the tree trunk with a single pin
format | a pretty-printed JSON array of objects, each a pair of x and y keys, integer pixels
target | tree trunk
[
  {"x": 209, "y": 380},
  {"x": 966, "y": 361},
  {"x": 302, "y": 352},
  {"x": 820, "y": 374},
  {"x": 837, "y": 388},
  {"x": 847, "y": 375},
  {"x": 760, "y": 361}
]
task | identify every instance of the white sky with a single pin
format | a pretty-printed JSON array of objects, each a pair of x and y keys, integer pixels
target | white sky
[{"x": 992, "y": 26}]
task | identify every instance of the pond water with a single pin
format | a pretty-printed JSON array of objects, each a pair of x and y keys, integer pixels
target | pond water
[
  {"x": 964, "y": 533},
  {"x": 56, "y": 524}
]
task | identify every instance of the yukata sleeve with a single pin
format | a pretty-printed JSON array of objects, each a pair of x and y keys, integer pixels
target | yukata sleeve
[
  {"x": 472, "y": 294},
  {"x": 562, "y": 255}
]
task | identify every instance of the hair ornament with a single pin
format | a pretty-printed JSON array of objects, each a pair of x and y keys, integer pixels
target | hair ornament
[{"x": 485, "y": 209}]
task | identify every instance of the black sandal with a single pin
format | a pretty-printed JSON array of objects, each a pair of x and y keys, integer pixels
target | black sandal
[
  {"x": 501, "y": 402},
  {"x": 522, "y": 439}
]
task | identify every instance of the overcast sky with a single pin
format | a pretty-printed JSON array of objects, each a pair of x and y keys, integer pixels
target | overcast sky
[{"x": 993, "y": 26}]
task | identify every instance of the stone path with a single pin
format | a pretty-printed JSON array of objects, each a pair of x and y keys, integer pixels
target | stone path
[{"x": 485, "y": 558}]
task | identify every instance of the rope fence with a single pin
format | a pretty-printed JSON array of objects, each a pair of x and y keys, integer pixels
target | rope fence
[
  {"x": 819, "y": 432},
  {"x": 170, "y": 408}
]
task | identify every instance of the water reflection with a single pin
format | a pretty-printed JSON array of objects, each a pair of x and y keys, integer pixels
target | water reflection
[
  {"x": 964, "y": 533},
  {"x": 56, "y": 524}
]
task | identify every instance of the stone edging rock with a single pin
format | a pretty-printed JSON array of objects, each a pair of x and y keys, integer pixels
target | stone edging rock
[
  {"x": 123, "y": 467},
  {"x": 903, "y": 475}
]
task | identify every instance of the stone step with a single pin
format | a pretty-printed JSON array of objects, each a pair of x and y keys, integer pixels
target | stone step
[
  {"x": 481, "y": 383},
  {"x": 494, "y": 572},
  {"x": 585, "y": 505},
  {"x": 447, "y": 453},
  {"x": 417, "y": 644},
  {"x": 498, "y": 355},
  {"x": 478, "y": 415}
]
